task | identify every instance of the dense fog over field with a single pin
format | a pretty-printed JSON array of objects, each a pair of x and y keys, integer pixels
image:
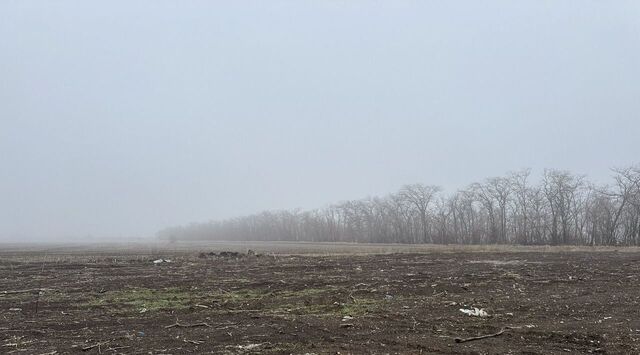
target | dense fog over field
[{"x": 120, "y": 119}]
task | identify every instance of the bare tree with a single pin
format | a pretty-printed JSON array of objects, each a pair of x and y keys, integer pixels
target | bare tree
[
  {"x": 421, "y": 196},
  {"x": 560, "y": 188},
  {"x": 562, "y": 208},
  {"x": 494, "y": 196},
  {"x": 520, "y": 187}
]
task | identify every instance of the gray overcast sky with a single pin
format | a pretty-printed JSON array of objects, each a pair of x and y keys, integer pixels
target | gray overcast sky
[{"x": 119, "y": 118}]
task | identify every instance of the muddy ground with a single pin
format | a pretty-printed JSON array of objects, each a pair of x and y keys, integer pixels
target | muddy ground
[{"x": 59, "y": 302}]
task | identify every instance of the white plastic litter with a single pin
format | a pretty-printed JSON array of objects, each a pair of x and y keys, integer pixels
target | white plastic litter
[
  {"x": 475, "y": 312},
  {"x": 250, "y": 346},
  {"x": 160, "y": 261}
]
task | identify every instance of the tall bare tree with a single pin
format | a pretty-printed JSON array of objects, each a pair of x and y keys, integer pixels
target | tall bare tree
[{"x": 421, "y": 197}]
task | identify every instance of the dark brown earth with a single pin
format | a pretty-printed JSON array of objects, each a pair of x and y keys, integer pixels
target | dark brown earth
[{"x": 121, "y": 302}]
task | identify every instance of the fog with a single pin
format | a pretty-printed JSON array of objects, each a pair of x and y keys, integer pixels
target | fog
[{"x": 121, "y": 118}]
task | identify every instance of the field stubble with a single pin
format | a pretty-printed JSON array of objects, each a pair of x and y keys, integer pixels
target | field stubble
[{"x": 364, "y": 300}]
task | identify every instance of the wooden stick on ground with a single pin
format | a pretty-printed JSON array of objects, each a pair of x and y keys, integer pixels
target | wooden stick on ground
[
  {"x": 464, "y": 340},
  {"x": 118, "y": 348},
  {"x": 188, "y": 325},
  {"x": 87, "y": 348}
]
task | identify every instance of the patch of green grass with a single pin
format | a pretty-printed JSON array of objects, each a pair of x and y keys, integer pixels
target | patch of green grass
[
  {"x": 359, "y": 308},
  {"x": 144, "y": 299},
  {"x": 309, "y": 301},
  {"x": 320, "y": 302},
  {"x": 307, "y": 292},
  {"x": 46, "y": 296}
]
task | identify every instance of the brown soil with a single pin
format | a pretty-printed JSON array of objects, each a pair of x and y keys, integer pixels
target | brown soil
[{"x": 121, "y": 302}]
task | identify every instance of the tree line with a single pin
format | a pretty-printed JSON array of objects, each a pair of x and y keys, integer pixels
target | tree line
[{"x": 561, "y": 208}]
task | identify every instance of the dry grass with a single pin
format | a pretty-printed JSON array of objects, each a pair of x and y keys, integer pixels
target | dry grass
[{"x": 118, "y": 252}]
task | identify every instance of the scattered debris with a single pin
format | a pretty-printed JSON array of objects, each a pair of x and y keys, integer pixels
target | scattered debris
[
  {"x": 224, "y": 254},
  {"x": 475, "y": 312},
  {"x": 324, "y": 296},
  {"x": 161, "y": 261},
  {"x": 250, "y": 346},
  {"x": 497, "y": 262},
  {"x": 188, "y": 325},
  {"x": 96, "y": 345},
  {"x": 118, "y": 348},
  {"x": 33, "y": 290},
  {"x": 353, "y": 299},
  {"x": 464, "y": 340},
  {"x": 229, "y": 254}
]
